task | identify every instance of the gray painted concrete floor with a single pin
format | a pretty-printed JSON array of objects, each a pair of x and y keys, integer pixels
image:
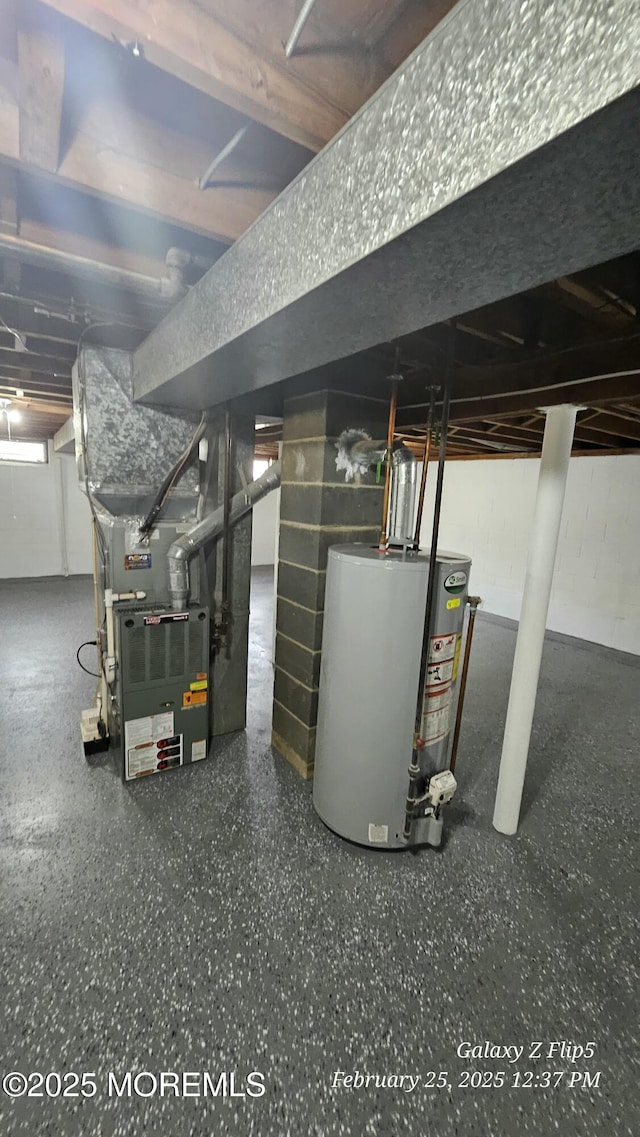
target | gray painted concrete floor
[{"x": 205, "y": 920}]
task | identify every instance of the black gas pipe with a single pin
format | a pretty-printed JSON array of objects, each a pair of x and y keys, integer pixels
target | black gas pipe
[{"x": 414, "y": 769}]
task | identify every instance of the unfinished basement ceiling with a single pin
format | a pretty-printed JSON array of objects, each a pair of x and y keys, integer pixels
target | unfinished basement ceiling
[{"x": 110, "y": 124}]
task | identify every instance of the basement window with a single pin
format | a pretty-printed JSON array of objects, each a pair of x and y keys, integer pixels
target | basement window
[{"x": 17, "y": 450}]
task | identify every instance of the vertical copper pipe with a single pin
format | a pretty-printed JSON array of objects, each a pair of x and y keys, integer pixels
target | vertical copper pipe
[
  {"x": 425, "y": 464},
  {"x": 473, "y": 602},
  {"x": 382, "y": 544}
]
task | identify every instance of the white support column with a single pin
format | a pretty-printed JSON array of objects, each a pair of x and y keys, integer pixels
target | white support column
[{"x": 543, "y": 543}]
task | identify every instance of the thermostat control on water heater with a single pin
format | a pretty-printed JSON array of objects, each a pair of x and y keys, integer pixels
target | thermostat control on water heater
[{"x": 442, "y": 787}]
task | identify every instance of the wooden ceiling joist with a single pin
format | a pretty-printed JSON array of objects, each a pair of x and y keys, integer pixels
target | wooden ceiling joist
[
  {"x": 221, "y": 50},
  {"x": 41, "y": 65}
]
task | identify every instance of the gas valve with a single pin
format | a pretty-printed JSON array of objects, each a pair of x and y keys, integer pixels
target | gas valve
[{"x": 442, "y": 787}]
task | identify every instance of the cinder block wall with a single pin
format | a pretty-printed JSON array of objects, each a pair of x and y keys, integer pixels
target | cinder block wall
[{"x": 317, "y": 510}]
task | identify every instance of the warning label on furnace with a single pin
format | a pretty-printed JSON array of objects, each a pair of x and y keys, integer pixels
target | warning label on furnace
[{"x": 151, "y": 746}]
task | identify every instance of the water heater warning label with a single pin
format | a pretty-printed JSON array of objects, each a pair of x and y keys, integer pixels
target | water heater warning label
[
  {"x": 442, "y": 653},
  {"x": 438, "y": 692},
  {"x": 442, "y": 647},
  {"x": 379, "y": 834}
]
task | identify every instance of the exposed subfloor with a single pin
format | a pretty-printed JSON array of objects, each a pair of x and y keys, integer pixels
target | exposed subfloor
[{"x": 206, "y": 920}]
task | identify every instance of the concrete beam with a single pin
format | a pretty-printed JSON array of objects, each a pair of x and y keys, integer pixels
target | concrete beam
[{"x": 498, "y": 157}]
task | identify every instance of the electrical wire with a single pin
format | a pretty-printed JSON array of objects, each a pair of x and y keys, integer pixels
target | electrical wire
[
  {"x": 87, "y": 643},
  {"x": 172, "y": 477},
  {"x": 14, "y": 333}
]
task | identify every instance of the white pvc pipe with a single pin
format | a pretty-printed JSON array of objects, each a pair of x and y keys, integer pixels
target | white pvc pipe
[
  {"x": 543, "y": 543},
  {"x": 111, "y": 658}
]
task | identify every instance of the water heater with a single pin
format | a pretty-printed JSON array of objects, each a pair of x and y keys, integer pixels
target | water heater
[{"x": 371, "y": 665}]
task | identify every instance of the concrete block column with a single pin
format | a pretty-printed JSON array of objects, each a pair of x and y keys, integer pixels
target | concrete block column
[{"x": 317, "y": 509}]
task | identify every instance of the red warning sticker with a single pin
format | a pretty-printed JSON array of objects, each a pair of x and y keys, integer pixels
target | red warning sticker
[{"x": 440, "y": 664}]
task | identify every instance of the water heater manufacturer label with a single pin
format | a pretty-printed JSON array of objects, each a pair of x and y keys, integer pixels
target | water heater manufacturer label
[{"x": 455, "y": 582}]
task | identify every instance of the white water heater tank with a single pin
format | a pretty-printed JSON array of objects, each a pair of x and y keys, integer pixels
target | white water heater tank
[{"x": 371, "y": 652}]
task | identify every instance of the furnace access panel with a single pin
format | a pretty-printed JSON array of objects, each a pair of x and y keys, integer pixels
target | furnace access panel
[{"x": 163, "y": 673}]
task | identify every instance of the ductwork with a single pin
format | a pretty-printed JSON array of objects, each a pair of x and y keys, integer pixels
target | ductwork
[
  {"x": 403, "y": 495},
  {"x": 209, "y": 529},
  {"x": 358, "y": 453}
]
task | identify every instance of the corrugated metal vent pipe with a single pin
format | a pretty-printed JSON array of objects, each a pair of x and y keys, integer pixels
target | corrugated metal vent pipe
[{"x": 209, "y": 529}]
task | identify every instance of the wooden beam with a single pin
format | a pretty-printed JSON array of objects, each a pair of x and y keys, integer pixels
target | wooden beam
[
  {"x": 612, "y": 424},
  {"x": 506, "y": 428},
  {"x": 19, "y": 314},
  {"x": 545, "y": 370},
  {"x": 63, "y": 241},
  {"x": 490, "y": 441},
  {"x": 593, "y": 393},
  {"x": 43, "y": 406},
  {"x": 65, "y": 353},
  {"x": 41, "y": 88},
  {"x": 34, "y": 389},
  {"x": 572, "y": 292},
  {"x": 599, "y": 393},
  {"x": 416, "y": 20},
  {"x": 9, "y": 29},
  {"x": 219, "y": 50},
  {"x": 45, "y": 364},
  {"x": 9, "y": 116},
  {"x": 605, "y": 452},
  {"x": 8, "y": 200},
  {"x": 158, "y": 179}
]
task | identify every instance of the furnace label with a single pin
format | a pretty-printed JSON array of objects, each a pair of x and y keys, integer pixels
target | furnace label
[
  {"x": 167, "y": 618},
  {"x": 149, "y": 729},
  {"x": 199, "y": 750},
  {"x": 151, "y": 745},
  {"x": 137, "y": 561}
]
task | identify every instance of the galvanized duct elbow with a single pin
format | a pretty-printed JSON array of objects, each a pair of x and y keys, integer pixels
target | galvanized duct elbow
[{"x": 209, "y": 529}]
